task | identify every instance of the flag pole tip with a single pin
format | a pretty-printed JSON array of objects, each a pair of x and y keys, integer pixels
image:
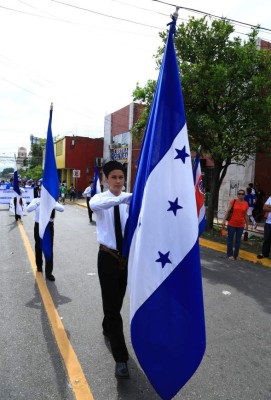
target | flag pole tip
[
  {"x": 175, "y": 14},
  {"x": 51, "y": 108}
]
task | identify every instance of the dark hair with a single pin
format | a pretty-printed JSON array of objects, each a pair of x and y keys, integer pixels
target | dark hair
[{"x": 111, "y": 166}]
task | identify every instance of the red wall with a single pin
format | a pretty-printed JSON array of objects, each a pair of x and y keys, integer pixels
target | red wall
[
  {"x": 81, "y": 153},
  {"x": 120, "y": 121}
]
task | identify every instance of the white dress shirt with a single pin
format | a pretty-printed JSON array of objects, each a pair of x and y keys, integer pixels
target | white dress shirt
[
  {"x": 87, "y": 192},
  {"x": 35, "y": 206},
  {"x": 102, "y": 204}
]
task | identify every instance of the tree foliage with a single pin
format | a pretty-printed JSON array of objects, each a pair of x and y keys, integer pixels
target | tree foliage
[
  {"x": 7, "y": 172},
  {"x": 36, "y": 154},
  {"x": 226, "y": 86}
]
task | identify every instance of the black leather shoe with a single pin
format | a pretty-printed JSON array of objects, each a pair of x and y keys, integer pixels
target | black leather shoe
[
  {"x": 260, "y": 256},
  {"x": 50, "y": 278},
  {"x": 121, "y": 370}
]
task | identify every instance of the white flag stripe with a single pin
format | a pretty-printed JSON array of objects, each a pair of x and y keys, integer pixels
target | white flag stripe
[
  {"x": 46, "y": 207},
  {"x": 145, "y": 247}
]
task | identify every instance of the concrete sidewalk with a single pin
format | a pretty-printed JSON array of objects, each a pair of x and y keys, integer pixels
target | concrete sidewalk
[{"x": 244, "y": 255}]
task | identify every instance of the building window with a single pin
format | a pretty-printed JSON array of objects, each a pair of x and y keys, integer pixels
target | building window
[{"x": 59, "y": 148}]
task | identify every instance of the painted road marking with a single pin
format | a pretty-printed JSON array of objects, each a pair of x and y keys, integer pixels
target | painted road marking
[
  {"x": 76, "y": 375},
  {"x": 246, "y": 255}
]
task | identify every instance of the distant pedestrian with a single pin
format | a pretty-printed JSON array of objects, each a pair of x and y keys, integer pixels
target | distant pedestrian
[
  {"x": 18, "y": 203},
  {"x": 267, "y": 231},
  {"x": 72, "y": 192},
  {"x": 239, "y": 218},
  {"x": 63, "y": 191},
  {"x": 251, "y": 186},
  {"x": 250, "y": 198},
  {"x": 87, "y": 195},
  {"x": 260, "y": 198}
]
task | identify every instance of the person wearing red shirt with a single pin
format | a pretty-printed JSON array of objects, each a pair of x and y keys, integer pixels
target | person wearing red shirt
[{"x": 236, "y": 224}]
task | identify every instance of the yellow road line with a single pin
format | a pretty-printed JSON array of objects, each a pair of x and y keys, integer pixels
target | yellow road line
[
  {"x": 76, "y": 375},
  {"x": 246, "y": 255}
]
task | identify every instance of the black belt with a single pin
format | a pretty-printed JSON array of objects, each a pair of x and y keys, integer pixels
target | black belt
[
  {"x": 108, "y": 250},
  {"x": 122, "y": 261}
]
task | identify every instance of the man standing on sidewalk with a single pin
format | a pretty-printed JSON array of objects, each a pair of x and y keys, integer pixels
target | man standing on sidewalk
[{"x": 267, "y": 230}]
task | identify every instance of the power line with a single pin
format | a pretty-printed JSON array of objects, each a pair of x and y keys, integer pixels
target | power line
[
  {"x": 214, "y": 16},
  {"x": 104, "y": 15}
]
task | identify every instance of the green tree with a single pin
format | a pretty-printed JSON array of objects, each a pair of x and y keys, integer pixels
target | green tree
[
  {"x": 226, "y": 86},
  {"x": 32, "y": 173},
  {"x": 36, "y": 155},
  {"x": 6, "y": 173}
]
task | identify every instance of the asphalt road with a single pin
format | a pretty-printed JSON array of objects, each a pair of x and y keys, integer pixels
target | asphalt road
[{"x": 237, "y": 296}]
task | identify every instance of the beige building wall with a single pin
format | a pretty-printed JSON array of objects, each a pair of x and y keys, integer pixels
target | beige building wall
[{"x": 237, "y": 177}]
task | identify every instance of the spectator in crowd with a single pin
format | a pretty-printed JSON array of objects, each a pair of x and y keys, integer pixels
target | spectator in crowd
[
  {"x": 238, "y": 219},
  {"x": 267, "y": 230},
  {"x": 251, "y": 200},
  {"x": 63, "y": 191},
  {"x": 258, "y": 208},
  {"x": 72, "y": 192}
]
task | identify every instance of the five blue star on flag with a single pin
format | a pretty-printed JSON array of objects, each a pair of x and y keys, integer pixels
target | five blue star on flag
[
  {"x": 174, "y": 206},
  {"x": 163, "y": 259},
  {"x": 181, "y": 154}
]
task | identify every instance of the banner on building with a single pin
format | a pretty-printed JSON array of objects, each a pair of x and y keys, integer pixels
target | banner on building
[{"x": 120, "y": 154}]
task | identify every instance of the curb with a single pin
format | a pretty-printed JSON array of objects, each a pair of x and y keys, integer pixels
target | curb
[{"x": 245, "y": 255}]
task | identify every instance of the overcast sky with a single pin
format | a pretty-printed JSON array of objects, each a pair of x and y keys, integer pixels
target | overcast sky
[{"x": 86, "y": 57}]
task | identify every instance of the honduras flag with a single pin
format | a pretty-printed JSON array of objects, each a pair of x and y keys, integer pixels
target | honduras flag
[
  {"x": 199, "y": 193},
  {"x": 49, "y": 192},
  {"x": 16, "y": 180},
  {"x": 164, "y": 271},
  {"x": 96, "y": 187}
]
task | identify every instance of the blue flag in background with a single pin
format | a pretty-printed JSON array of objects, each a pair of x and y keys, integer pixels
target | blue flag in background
[
  {"x": 164, "y": 271},
  {"x": 15, "y": 179},
  {"x": 96, "y": 187},
  {"x": 49, "y": 192}
]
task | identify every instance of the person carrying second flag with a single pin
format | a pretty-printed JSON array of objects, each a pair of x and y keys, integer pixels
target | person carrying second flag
[{"x": 34, "y": 205}]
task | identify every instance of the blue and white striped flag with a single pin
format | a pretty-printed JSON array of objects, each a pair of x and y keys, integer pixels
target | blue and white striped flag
[
  {"x": 164, "y": 271},
  {"x": 16, "y": 187},
  {"x": 49, "y": 192},
  {"x": 96, "y": 187}
]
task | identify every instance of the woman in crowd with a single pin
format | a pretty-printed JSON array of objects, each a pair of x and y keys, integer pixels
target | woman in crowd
[{"x": 237, "y": 211}]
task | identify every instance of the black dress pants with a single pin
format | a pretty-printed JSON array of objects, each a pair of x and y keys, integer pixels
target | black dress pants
[
  {"x": 38, "y": 250},
  {"x": 266, "y": 240},
  {"x": 89, "y": 210},
  {"x": 113, "y": 283},
  {"x": 17, "y": 217}
]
